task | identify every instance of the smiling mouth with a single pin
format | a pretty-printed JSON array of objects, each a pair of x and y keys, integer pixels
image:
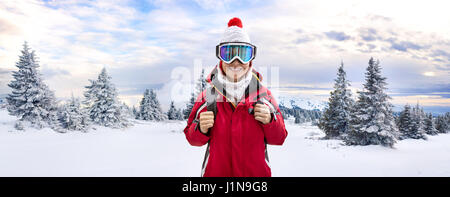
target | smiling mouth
[{"x": 235, "y": 69}]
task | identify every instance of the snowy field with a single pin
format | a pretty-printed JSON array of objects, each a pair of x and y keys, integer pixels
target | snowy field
[{"x": 160, "y": 149}]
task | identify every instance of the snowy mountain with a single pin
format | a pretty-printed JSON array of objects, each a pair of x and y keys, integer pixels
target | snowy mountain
[{"x": 304, "y": 103}]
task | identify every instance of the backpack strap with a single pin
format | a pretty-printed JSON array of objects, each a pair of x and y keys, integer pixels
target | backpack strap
[
  {"x": 211, "y": 100},
  {"x": 211, "y": 105}
]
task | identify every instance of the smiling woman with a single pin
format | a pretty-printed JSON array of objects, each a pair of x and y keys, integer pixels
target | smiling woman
[{"x": 237, "y": 117}]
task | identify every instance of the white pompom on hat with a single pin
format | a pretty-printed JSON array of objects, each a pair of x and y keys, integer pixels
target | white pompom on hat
[{"x": 235, "y": 32}]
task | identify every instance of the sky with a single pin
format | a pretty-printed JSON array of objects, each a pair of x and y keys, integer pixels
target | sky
[{"x": 156, "y": 43}]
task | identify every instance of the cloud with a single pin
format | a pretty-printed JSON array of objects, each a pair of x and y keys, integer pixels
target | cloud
[
  {"x": 405, "y": 46},
  {"x": 424, "y": 100},
  {"x": 368, "y": 34},
  {"x": 303, "y": 87},
  {"x": 304, "y": 39},
  {"x": 442, "y": 90},
  {"x": 441, "y": 53},
  {"x": 213, "y": 4},
  {"x": 49, "y": 73},
  {"x": 375, "y": 17},
  {"x": 7, "y": 28},
  {"x": 371, "y": 46},
  {"x": 137, "y": 89},
  {"x": 339, "y": 36},
  {"x": 445, "y": 67}
]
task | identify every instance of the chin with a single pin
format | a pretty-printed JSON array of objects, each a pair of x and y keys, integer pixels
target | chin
[{"x": 237, "y": 77}]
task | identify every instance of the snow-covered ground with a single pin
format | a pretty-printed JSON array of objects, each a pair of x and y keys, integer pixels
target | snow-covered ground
[{"x": 160, "y": 149}]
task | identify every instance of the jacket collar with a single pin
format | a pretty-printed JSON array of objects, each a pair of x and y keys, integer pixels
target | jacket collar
[{"x": 253, "y": 92}]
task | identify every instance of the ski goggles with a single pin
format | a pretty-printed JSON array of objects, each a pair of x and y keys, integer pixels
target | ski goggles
[{"x": 229, "y": 51}]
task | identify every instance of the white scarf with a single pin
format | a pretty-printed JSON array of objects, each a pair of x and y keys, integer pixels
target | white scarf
[{"x": 235, "y": 90}]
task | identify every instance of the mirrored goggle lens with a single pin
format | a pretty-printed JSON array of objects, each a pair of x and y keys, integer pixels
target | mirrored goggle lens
[{"x": 228, "y": 52}]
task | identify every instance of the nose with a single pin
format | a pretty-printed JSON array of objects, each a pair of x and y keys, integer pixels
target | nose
[{"x": 236, "y": 62}]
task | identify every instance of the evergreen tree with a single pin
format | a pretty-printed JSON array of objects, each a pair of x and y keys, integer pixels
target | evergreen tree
[
  {"x": 179, "y": 115},
  {"x": 201, "y": 83},
  {"x": 418, "y": 116},
  {"x": 442, "y": 124},
  {"x": 157, "y": 112},
  {"x": 126, "y": 111},
  {"x": 102, "y": 103},
  {"x": 285, "y": 112},
  {"x": 135, "y": 112},
  {"x": 145, "y": 107},
  {"x": 199, "y": 87},
  {"x": 397, "y": 118},
  {"x": 335, "y": 119},
  {"x": 371, "y": 120},
  {"x": 429, "y": 125},
  {"x": 149, "y": 108},
  {"x": 172, "y": 113},
  {"x": 189, "y": 106},
  {"x": 446, "y": 117},
  {"x": 409, "y": 126},
  {"x": 30, "y": 99},
  {"x": 406, "y": 124},
  {"x": 298, "y": 118},
  {"x": 72, "y": 116}
]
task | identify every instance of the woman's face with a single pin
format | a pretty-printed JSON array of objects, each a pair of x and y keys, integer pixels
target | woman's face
[{"x": 235, "y": 71}]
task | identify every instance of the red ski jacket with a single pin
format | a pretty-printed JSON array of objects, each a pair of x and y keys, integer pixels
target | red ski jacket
[{"x": 237, "y": 143}]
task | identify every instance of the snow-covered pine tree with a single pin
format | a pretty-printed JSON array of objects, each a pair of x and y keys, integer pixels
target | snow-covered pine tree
[
  {"x": 447, "y": 121},
  {"x": 418, "y": 116},
  {"x": 315, "y": 122},
  {"x": 429, "y": 125},
  {"x": 172, "y": 113},
  {"x": 199, "y": 87},
  {"x": 371, "y": 120},
  {"x": 179, "y": 114},
  {"x": 126, "y": 110},
  {"x": 335, "y": 119},
  {"x": 30, "y": 99},
  {"x": 189, "y": 106},
  {"x": 72, "y": 116},
  {"x": 50, "y": 105},
  {"x": 308, "y": 117},
  {"x": 149, "y": 108},
  {"x": 408, "y": 125},
  {"x": 442, "y": 123},
  {"x": 285, "y": 112},
  {"x": 145, "y": 106},
  {"x": 156, "y": 110},
  {"x": 102, "y": 103},
  {"x": 201, "y": 83},
  {"x": 298, "y": 118},
  {"x": 135, "y": 112},
  {"x": 397, "y": 118}
]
